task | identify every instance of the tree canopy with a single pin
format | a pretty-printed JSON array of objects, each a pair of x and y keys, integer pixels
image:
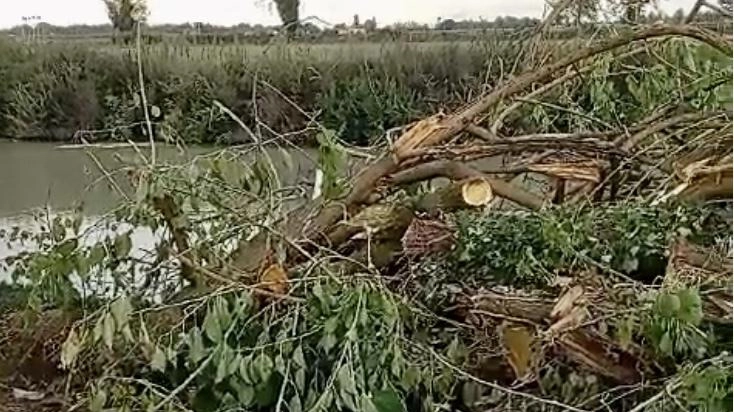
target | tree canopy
[{"x": 124, "y": 14}]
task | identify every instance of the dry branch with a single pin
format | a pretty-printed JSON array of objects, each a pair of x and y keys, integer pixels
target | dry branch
[{"x": 628, "y": 144}]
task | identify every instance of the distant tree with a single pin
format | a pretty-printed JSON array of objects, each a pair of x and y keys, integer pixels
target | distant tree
[
  {"x": 578, "y": 11},
  {"x": 125, "y": 14},
  {"x": 310, "y": 29},
  {"x": 679, "y": 16},
  {"x": 632, "y": 10},
  {"x": 511, "y": 21},
  {"x": 370, "y": 25},
  {"x": 448, "y": 24},
  {"x": 726, "y": 4},
  {"x": 355, "y": 21},
  {"x": 288, "y": 12}
]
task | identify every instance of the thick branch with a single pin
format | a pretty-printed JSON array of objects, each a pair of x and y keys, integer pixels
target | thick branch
[
  {"x": 694, "y": 11},
  {"x": 519, "y": 144},
  {"x": 458, "y": 171},
  {"x": 482, "y": 133},
  {"x": 718, "y": 9},
  {"x": 628, "y": 144}
]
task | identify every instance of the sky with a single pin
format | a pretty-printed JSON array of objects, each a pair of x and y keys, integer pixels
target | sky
[{"x": 230, "y": 12}]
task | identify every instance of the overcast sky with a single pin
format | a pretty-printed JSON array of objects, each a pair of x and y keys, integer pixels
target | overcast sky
[{"x": 228, "y": 12}]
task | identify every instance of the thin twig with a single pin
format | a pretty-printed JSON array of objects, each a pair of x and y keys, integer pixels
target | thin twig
[
  {"x": 144, "y": 99},
  {"x": 492, "y": 385}
]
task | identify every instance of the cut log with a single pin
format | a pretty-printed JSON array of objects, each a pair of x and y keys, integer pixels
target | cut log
[
  {"x": 476, "y": 192},
  {"x": 471, "y": 192}
]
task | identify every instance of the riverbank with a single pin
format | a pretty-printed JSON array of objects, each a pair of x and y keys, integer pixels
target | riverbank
[
  {"x": 59, "y": 92},
  {"x": 64, "y": 92}
]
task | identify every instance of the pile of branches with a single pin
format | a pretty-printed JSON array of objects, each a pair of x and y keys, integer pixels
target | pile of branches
[{"x": 596, "y": 288}]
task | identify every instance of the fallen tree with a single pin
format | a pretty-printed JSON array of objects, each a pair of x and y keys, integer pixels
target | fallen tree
[{"x": 391, "y": 291}]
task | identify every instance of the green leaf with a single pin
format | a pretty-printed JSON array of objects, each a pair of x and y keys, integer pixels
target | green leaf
[
  {"x": 244, "y": 368},
  {"x": 690, "y": 306},
  {"x": 346, "y": 380},
  {"x": 221, "y": 309},
  {"x": 96, "y": 255},
  {"x": 455, "y": 351},
  {"x": 266, "y": 393},
  {"x": 300, "y": 379},
  {"x": 82, "y": 266},
  {"x": 327, "y": 342},
  {"x": 410, "y": 378},
  {"x": 76, "y": 222},
  {"x": 234, "y": 365},
  {"x": 158, "y": 360},
  {"x": 245, "y": 393},
  {"x": 122, "y": 245},
  {"x": 388, "y": 401},
  {"x": 197, "y": 352},
  {"x": 108, "y": 330},
  {"x": 397, "y": 364},
  {"x": 127, "y": 333},
  {"x": 298, "y": 358},
  {"x": 70, "y": 349},
  {"x": 98, "y": 401},
  {"x": 294, "y": 405},
  {"x": 98, "y": 329},
  {"x": 223, "y": 364},
  {"x": 264, "y": 366},
  {"x": 280, "y": 365},
  {"x": 211, "y": 327},
  {"x": 668, "y": 305},
  {"x": 666, "y": 344},
  {"x": 67, "y": 247},
  {"x": 121, "y": 310}
]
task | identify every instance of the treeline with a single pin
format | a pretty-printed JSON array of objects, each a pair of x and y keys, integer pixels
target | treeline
[{"x": 204, "y": 33}]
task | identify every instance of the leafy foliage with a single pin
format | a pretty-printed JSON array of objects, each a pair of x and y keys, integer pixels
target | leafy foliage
[
  {"x": 673, "y": 327},
  {"x": 341, "y": 349},
  {"x": 365, "y": 107},
  {"x": 530, "y": 248}
]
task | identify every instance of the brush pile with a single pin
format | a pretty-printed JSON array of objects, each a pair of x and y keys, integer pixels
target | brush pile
[{"x": 528, "y": 252}]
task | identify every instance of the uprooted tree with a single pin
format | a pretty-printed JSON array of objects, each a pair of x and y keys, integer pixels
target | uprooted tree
[{"x": 381, "y": 292}]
